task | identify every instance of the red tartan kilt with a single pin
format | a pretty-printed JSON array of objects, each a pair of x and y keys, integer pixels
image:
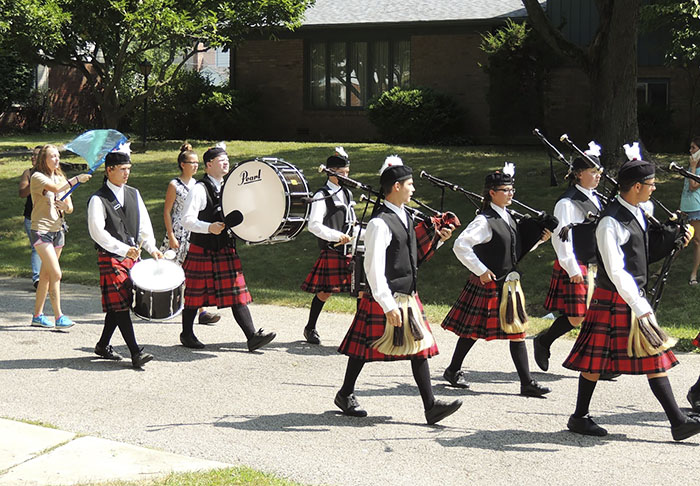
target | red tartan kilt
[
  {"x": 214, "y": 278},
  {"x": 331, "y": 273},
  {"x": 368, "y": 326},
  {"x": 475, "y": 314},
  {"x": 696, "y": 341},
  {"x": 602, "y": 344},
  {"x": 564, "y": 296},
  {"x": 115, "y": 283}
]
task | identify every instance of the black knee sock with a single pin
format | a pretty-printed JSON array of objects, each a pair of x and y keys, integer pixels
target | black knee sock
[
  {"x": 357, "y": 304},
  {"x": 696, "y": 387},
  {"x": 108, "y": 329},
  {"x": 663, "y": 393},
  {"x": 421, "y": 373},
  {"x": 560, "y": 327},
  {"x": 461, "y": 349},
  {"x": 126, "y": 328},
  {"x": 316, "y": 308},
  {"x": 585, "y": 393},
  {"x": 518, "y": 351},
  {"x": 188, "y": 316},
  {"x": 351, "y": 373},
  {"x": 242, "y": 315}
]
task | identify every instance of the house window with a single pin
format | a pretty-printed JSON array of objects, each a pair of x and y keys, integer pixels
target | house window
[
  {"x": 652, "y": 92},
  {"x": 345, "y": 75}
]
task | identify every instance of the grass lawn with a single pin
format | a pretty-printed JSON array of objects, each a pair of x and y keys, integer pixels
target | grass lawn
[
  {"x": 236, "y": 476},
  {"x": 274, "y": 272}
]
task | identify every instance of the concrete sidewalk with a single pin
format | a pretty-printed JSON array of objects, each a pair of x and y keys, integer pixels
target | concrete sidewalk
[
  {"x": 273, "y": 410},
  {"x": 41, "y": 456}
]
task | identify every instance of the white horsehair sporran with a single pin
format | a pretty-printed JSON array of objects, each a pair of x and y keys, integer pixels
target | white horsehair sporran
[
  {"x": 511, "y": 312},
  {"x": 412, "y": 336}
]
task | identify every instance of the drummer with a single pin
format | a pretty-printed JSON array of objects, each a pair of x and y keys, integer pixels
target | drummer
[
  {"x": 118, "y": 222},
  {"x": 213, "y": 272}
]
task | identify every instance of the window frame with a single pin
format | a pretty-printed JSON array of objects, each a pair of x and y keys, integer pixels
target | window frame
[{"x": 371, "y": 44}]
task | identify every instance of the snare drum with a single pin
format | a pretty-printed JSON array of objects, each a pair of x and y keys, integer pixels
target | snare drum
[
  {"x": 271, "y": 194},
  {"x": 159, "y": 287}
]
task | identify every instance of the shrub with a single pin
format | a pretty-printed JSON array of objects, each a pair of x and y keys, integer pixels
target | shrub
[
  {"x": 418, "y": 115},
  {"x": 15, "y": 78}
]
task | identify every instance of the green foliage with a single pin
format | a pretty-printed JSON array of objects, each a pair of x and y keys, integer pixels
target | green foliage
[
  {"x": 681, "y": 22},
  {"x": 15, "y": 78},
  {"x": 191, "y": 106},
  {"x": 517, "y": 66},
  {"x": 107, "y": 39},
  {"x": 418, "y": 115}
]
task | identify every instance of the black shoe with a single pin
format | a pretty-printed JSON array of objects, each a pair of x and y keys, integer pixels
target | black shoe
[
  {"x": 35, "y": 284},
  {"x": 534, "y": 389},
  {"x": 694, "y": 399},
  {"x": 440, "y": 410},
  {"x": 585, "y": 426},
  {"x": 260, "y": 339},
  {"x": 140, "y": 359},
  {"x": 311, "y": 336},
  {"x": 457, "y": 379},
  {"x": 208, "y": 318},
  {"x": 349, "y": 405},
  {"x": 542, "y": 354},
  {"x": 609, "y": 376},
  {"x": 191, "y": 341},
  {"x": 689, "y": 428},
  {"x": 107, "y": 352}
]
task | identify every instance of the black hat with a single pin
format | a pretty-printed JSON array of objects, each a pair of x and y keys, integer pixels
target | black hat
[
  {"x": 338, "y": 160},
  {"x": 582, "y": 163},
  {"x": 394, "y": 171},
  {"x": 213, "y": 153},
  {"x": 505, "y": 177},
  {"x": 117, "y": 158},
  {"x": 636, "y": 171}
]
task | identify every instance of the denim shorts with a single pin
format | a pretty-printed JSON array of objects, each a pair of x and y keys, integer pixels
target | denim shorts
[
  {"x": 55, "y": 238},
  {"x": 693, "y": 215}
]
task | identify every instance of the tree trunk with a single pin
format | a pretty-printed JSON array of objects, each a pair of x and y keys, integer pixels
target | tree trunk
[{"x": 614, "y": 82}]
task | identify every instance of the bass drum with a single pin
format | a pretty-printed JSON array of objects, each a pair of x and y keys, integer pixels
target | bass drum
[
  {"x": 159, "y": 287},
  {"x": 270, "y": 195}
]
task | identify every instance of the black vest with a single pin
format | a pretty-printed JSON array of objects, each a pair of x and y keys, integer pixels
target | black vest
[
  {"x": 28, "y": 206},
  {"x": 636, "y": 250},
  {"x": 582, "y": 234},
  {"x": 336, "y": 216},
  {"x": 122, "y": 222},
  {"x": 401, "y": 269},
  {"x": 211, "y": 213},
  {"x": 500, "y": 254}
]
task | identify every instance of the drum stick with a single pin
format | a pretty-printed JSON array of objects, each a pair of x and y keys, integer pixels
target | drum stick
[{"x": 339, "y": 243}]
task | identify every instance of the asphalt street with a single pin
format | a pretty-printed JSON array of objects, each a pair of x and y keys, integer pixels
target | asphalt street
[{"x": 273, "y": 409}]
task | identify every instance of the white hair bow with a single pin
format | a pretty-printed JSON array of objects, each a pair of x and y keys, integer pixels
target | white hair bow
[
  {"x": 124, "y": 148},
  {"x": 341, "y": 151},
  {"x": 221, "y": 145}
]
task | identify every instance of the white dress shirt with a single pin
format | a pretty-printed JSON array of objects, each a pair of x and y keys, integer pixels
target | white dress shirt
[
  {"x": 196, "y": 201},
  {"x": 96, "y": 224},
  {"x": 477, "y": 233},
  {"x": 377, "y": 240},
  {"x": 318, "y": 212},
  {"x": 610, "y": 236},
  {"x": 568, "y": 213}
]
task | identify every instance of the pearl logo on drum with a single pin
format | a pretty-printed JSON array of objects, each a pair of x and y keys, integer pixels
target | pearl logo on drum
[{"x": 248, "y": 179}]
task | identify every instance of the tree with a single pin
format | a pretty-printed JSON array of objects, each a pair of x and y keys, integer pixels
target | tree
[
  {"x": 107, "y": 39},
  {"x": 680, "y": 22},
  {"x": 610, "y": 62}
]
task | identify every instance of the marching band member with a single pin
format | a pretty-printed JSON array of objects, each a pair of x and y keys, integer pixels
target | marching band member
[
  {"x": 393, "y": 253},
  {"x": 574, "y": 271},
  {"x": 118, "y": 222},
  {"x": 491, "y": 305},
  {"x": 620, "y": 333},
  {"x": 213, "y": 272},
  {"x": 694, "y": 392},
  {"x": 331, "y": 220}
]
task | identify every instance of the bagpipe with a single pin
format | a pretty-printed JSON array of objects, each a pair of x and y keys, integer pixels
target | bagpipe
[
  {"x": 676, "y": 224},
  {"x": 435, "y": 220},
  {"x": 530, "y": 224},
  {"x": 684, "y": 172}
]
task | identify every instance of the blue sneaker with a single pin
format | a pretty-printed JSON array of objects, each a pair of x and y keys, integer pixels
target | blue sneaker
[
  {"x": 42, "y": 321},
  {"x": 63, "y": 322}
]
